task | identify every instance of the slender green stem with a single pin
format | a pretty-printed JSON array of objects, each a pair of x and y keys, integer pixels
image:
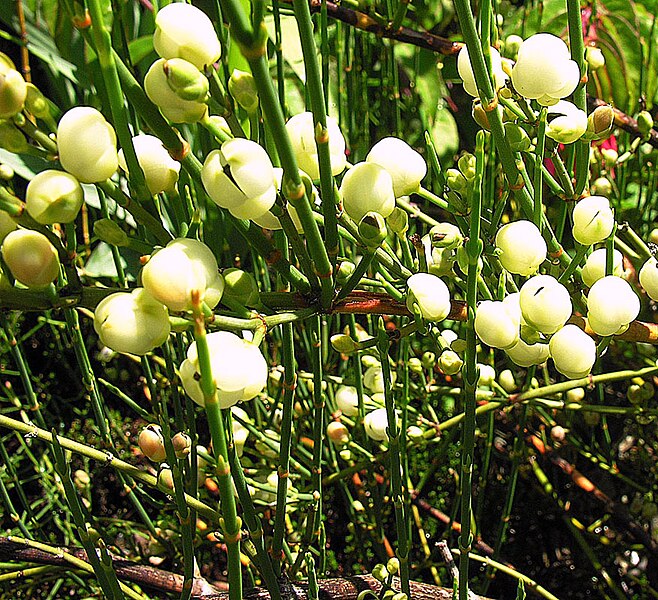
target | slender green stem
[{"x": 537, "y": 181}]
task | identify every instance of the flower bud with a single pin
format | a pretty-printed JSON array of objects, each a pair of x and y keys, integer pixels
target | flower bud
[
  {"x": 545, "y": 303},
  {"x": 575, "y": 395},
  {"x": 466, "y": 164},
  {"x": 182, "y": 444},
  {"x": 521, "y": 248},
  {"x": 53, "y": 197},
  {"x": 486, "y": 375},
  {"x": 12, "y": 138},
  {"x": 507, "y": 381},
  {"x": 526, "y": 355},
  {"x": 600, "y": 123},
  {"x": 238, "y": 368},
  {"x": 518, "y": 138},
  {"x": 160, "y": 170},
  {"x": 594, "y": 268},
  {"x": 649, "y": 278},
  {"x": 345, "y": 270},
  {"x": 456, "y": 181},
  {"x": 81, "y": 480},
  {"x": 151, "y": 443},
  {"x": 373, "y": 379},
  {"x": 573, "y": 352},
  {"x": 495, "y": 325},
  {"x": 242, "y": 87},
  {"x": 184, "y": 31},
  {"x": 109, "y": 232},
  {"x": 450, "y": 363},
  {"x": 7, "y": 225},
  {"x": 367, "y": 187},
  {"x": 87, "y": 145},
  {"x": 393, "y": 566},
  {"x": 594, "y": 58},
  {"x": 269, "y": 221},
  {"x": 240, "y": 177},
  {"x": 406, "y": 167},
  {"x": 31, "y": 258},
  {"x": 13, "y": 91},
  {"x": 338, "y": 433},
  {"x": 344, "y": 344},
  {"x": 446, "y": 236},
  {"x": 132, "y": 323},
  {"x": 185, "y": 80},
  {"x": 415, "y": 365},
  {"x": 398, "y": 221},
  {"x": 240, "y": 432},
  {"x": 465, "y": 70},
  {"x": 610, "y": 157},
  {"x": 166, "y": 477},
  {"x": 611, "y": 305},
  {"x": 601, "y": 186},
  {"x": 558, "y": 433},
  {"x": 511, "y": 46},
  {"x": 301, "y": 129},
  {"x": 375, "y": 424},
  {"x": 644, "y": 122},
  {"x": 593, "y": 220},
  {"x": 241, "y": 287},
  {"x": 372, "y": 229},
  {"x": 36, "y": 103},
  {"x": 431, "y": 294},
  {"x": 173, "y": 107},
  {"x": 347, "y": 400},
  {"x": 380, "y": 573},
  {"x": 544, "y": 70},
  {"x": 480, "y": 115},
  {"x": 428, "y": 359},
  {"x": 565, "y": 123}
]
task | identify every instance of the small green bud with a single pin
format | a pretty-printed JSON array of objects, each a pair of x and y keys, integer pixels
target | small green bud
[
  {"x": 185, "y": 80},
  {"x": 6, "y": 172},
  {"x": 241, "y": 286},
  {"x": 182, "y": 444},
  {"x": 450, "y": 362},
  {"x": 12, "y": 138},
  {"x": 13, "y": 91},
  {"x": 466, "y": 164},
  {"x": 393, "y": 565},
  {"x": 480, "y": 115},
  {"x": 36, "y": 102},
  {"x": 602, "y": 187},
  {"x": 166, "y": 478},
  {"x": 594, "y": 57},
  {"x": 511, "y": 46},
  {"x": 415, "y": 365},
  {"x": 644, "y": 122},
  {"x": 109, "y": 232},
  {"x": 610, "y": 157},
  {"x": 414, "y": 433},
  {"x": 54, "y": 197},
  {"x": 372, "y": 229},
  {"x": 600, "y": 123},
  {"x": 242, "y": 87},
  {"x": 576, "y": 395},
  {"x": 398, "y": 221},
  {"x": 507, "y": 381},
  {"x": 456, "y": 180},
  {"x": 428, "y": 359},
  {"x": 345, "y": 270},
  {"x": 446, "y": 236},
  {"x": 518, "y": 137},
  {"x": 379, "y": 572},
  {"x": 344, "y": 343},
  {"x": 81, "y": 479}
]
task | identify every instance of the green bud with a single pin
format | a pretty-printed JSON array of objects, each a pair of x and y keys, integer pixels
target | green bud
[
  {"x": 466, "y": 164},
  {"x": 6, "y": 173},
  {"x": 511, "y": 46},
  {"x": 428, "y": 359},
  {"x": 393, "y": 565},
  {"x": 13, "y": 91},
  {"x": 12, "y": 138},
  {"x": 594, "y": 57},
  {"x": 446, "y": 236},
  {"x": 241, "y": 287},
  {"x": 610, "y": 157},
  {"x": 185, "y": 80},
  {"x": 480, "y": 115},
  {"x": 414, "y": 433},
  {"x": 507, "y": 381},
  {"x": 456, "y": 180},
  {"x": 372, "y": 229},
  {"x": 602, "y": 187},
  {"x": 600, "y": 123},
  {"x": 450, "y": 362},
  {"x": 109, "y": 232},
  {"x": 344, "y": 343},
  {"x": 518, "y": 138},
  {"x": 398, "y": 221},
  {"x": 644, "y": 122},
  {"x": 345, "y": 270},
  {"x": 380, "y": 573},
  {"x": 242, "y": 87},
  {"x": 81, "y": 480},
  {"x": 36, "y": 102},
  {"x": 415, "y": 366},
  {"x": 576, "y": 395}
]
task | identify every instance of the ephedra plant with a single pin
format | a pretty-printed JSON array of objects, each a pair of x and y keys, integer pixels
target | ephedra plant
[{"x": 265, "y": 298}]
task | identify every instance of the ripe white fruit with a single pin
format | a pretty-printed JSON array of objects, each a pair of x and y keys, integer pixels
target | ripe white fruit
[
  {"x": 611, "y": 305},
  {"x": 649, "y": 278},
  {"x": 431, "y": 294},
  {"x": 521, "y": 248},
  {"x": 573, "y": 352},
  {"x": 545, "y": 303},
  {"x": 593, "y": 220},
  {"x": 594, "y": 268},
  {"x": 238, "y": 368}
]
